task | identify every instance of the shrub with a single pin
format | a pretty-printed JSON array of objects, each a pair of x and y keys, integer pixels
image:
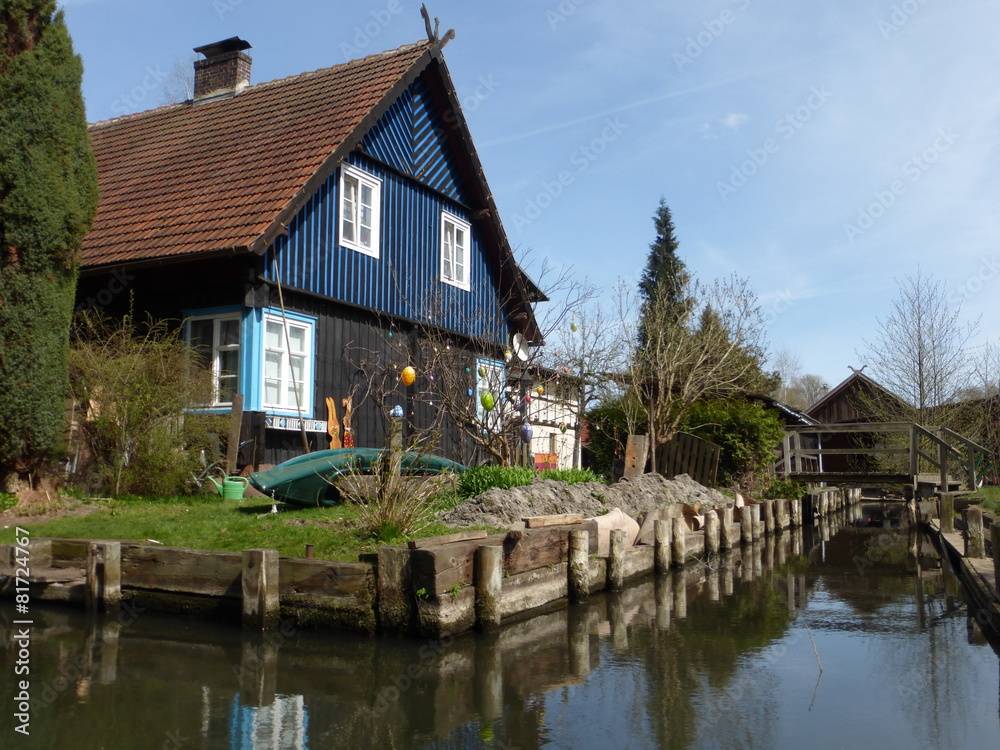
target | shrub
[
  {"x": 571, "y": 476},
  {"x": 746, "y": 433},
  {"x": 133, "y": 385},
  {"x": 609, "y": 425},
  {"x": 481, "y": 478},
  {"x": 784, "y": 489}
]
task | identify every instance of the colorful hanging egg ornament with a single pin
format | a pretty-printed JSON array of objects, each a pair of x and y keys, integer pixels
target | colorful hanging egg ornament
[
  {"x": 540, "y": 390},
  {"x": 562, "y": 428},
  {"x": 507, "y": 355},
  {"x": 527, "y": 398},
  {"x": 468, "y": 369},
  {"x": 526, "y": 432},
  {"x": 397, "y": 412},
  {"x": 408, "y": 376},
  {"x": 482, "y": 371},
  {"x": 487, "y": 401},
  {"x": 566, "y": 370}
]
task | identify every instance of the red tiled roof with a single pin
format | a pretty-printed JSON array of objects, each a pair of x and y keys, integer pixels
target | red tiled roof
[{"x": 193, "y": 178}]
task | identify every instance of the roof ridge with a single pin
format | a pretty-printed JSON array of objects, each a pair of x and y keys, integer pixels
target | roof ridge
[{"x": 426, "y": 43}]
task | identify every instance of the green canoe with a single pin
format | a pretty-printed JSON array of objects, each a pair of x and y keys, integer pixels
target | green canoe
[{"x": 309, "y": 480}]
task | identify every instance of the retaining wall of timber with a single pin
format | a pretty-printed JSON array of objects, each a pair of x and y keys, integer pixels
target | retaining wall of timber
[
  {"x": 973, "y": 547},
  {"x": 434, "y": 587}
]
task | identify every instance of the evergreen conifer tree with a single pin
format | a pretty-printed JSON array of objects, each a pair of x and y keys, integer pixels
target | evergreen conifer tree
[
  {"x": 665, "y": 276},
  {"x": 48, "y": 197}
]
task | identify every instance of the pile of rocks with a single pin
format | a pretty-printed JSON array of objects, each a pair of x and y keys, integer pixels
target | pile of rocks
[{"x": 502, "y": 508}]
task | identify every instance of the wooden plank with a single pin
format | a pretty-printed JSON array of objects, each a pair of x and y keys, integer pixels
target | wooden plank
[
  {"x": 181, "y": 570},
  {"x": 235, "y": 427},
  {"x": 322, "y": 577},
  {"x": 537, "y": 522},
  {"x": 437, "y": 541},
  {"x": 438, "y": 569},
  {"x": 538, "y": 548}
]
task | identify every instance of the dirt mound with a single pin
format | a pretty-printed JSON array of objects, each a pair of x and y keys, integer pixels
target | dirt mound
[{"x": 545, "y": 497}]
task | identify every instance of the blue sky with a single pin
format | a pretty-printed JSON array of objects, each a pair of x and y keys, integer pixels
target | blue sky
[{"x": 822, "y": 150}]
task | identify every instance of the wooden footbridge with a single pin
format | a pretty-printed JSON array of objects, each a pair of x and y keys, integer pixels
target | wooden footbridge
[{"x": 927, "y": 459}]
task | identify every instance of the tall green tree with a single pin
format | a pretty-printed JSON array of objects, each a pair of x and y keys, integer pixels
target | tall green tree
[
  {"x": 665, "y": 277},
  {"x": 48, "y": 197}
]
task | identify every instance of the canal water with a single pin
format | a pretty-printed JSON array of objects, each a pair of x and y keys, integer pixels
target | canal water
[{"x": 841, "y": 636}]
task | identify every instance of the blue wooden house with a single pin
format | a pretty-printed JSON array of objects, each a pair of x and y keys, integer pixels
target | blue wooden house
[{"x": 302, "y": 225}]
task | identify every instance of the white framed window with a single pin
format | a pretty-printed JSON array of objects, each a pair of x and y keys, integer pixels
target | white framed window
[
  {"x": 288, "y": 357},
  {"x": 215, "y": 340},
  {"x": 455, "y": 238},
  {"x": 360, "y": 210}
]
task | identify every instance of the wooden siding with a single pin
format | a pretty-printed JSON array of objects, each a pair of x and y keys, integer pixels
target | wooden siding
[
  {"x": 412, "y": 137},
  {"x": 404, "y": 281},
  {"x": 344, "y": 336}
]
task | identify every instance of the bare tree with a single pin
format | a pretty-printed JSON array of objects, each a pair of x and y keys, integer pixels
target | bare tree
[
  {"x": 713, "y": 348},
  {"x": 467, "y": 387},
  {"x": 591, "y": 349},
  {"x": 788, "y": 366},
  {"x": 808, "y": 389},
  {"x": 920, "y": 351}
]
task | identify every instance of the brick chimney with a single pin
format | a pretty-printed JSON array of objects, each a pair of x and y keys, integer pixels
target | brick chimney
[{"x": 224, "y": 72}]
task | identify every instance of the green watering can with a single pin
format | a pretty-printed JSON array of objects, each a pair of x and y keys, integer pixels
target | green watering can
[{"x": 232, "y": 488}]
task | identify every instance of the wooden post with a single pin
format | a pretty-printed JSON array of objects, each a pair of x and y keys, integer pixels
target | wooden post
[
  {"x": 769, "y": 525},
  {"x": 947, "y": 513},
  {"x": 995, "y": 540},
  {"x": 489, "y": 586},
  {"x": 711, "y": 532},
  {"x": 786, "y": 450},
  {"x": 616, "y": 559},
  {"x": 784, "y": 519},
  {"x": 395, "y": 444},
  {"x": 636, "y": 453},
  {"x": 235, "y": 426},
  {"x": 746, "y": 524},
  {"x": 727, "y": 538},
  {"x": 975, "y": 546},
  {"x": 757, "y": 525},
  {"x": 663, "y": 540},
  {"x": 260, "y": 588},
  {"x": 396, "y": 602},
  {"x": 679, "y": 540},
  {"x": 795, "y": 511},
  {"x": 943, "y": 464},
  {"x": 104, "y": 576},
  {"x": 579, "y": 565}
]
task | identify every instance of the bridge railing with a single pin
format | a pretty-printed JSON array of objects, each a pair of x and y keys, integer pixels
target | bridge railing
[{"x": 804, "y": 462}]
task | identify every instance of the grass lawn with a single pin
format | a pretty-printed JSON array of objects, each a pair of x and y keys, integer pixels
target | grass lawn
[
  {"x": 209, "y": 522},
  {"x": 990, "y": 497}
]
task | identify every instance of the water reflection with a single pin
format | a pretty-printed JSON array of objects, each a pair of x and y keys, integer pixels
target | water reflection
[{"x": 724, "y": 654}]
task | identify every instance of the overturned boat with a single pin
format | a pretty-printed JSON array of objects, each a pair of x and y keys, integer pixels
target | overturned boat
[{"x": 311, "y": 480}]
